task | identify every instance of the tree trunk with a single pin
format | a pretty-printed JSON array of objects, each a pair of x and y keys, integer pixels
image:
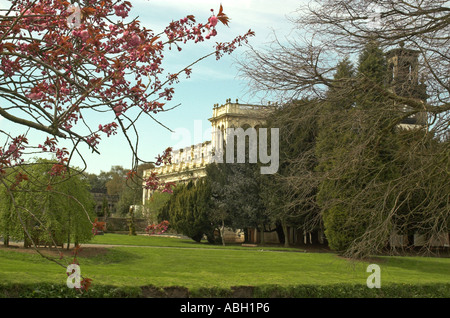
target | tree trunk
[
  {"x": 6, "y": 240},
  {"x": 286, "y": 233},
  {"x": 280, "y": 233},
  {"x": 262, "y": 241},
  {"x": 222, "y": 232},
  {"x": 132, "y": 229},
  {"x": 246, "y": 237},
  {"x": 68, "y": 234},
  {"x": 26, "y": 240}
]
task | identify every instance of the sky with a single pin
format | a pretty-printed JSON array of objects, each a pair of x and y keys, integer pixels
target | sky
[{"x": 212, "y": 82}]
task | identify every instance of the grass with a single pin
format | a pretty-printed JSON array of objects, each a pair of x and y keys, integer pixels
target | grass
[
  {"x": 162, "y": 262},
  {"x": 168, "y": 241}
]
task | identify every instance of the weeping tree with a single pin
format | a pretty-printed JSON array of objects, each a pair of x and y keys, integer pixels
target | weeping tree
[{"x": 44, "y": 209}]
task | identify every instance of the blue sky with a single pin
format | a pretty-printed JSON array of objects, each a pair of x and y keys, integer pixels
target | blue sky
[{"x": 211, "y": 81}]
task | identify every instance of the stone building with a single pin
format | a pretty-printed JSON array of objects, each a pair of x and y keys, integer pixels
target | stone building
[
  {"x": 404, "y": 80},
  {"x": 101, "y": 199},
  {"x": 403, "y": 64},
  {"x": 190, "y": 162},
  {"x": 235, "y": 115}
]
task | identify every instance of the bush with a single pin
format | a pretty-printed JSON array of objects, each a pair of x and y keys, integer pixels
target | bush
[
  {"x": 48, "y": 290},
  {"x": 188, "y": 210},
  {"x": 339, "y": 229},
  {"x": 157, "y": 228},
  {"x": 269, "y": 291}
]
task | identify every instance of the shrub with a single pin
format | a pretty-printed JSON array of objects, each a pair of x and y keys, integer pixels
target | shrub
[{"x": 157, "y": 228}]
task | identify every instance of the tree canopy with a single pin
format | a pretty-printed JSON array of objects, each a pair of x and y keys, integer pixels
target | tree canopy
[
  {"x": 84, "y": 71},
  {"x": 63, "y": 63},
  {"x": 378, "y": 90},
  {"x": 46, "y": 209}
]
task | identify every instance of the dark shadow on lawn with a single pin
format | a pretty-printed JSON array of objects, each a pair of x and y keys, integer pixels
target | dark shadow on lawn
[{"x": 114, "y": 256}]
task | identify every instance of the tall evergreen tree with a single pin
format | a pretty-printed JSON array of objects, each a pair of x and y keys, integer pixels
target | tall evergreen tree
[
  {"x": 335, "y": 137},
  {"x": 289, "y": 195},
  {"x": 355, "y": 158},
  {"x": 188, "y": 210}
]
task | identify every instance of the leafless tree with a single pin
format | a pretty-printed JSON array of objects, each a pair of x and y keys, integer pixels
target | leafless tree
[{"x": 303, "y": 65}]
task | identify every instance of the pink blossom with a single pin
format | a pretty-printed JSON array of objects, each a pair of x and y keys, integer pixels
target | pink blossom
[
  {"x": 135, "y": 40},
  {"x": 12, "y": 148},
  {"x": 120, "y": 11},
  {"x": 84, "y": 35},
  {"x": 118, "y": 109},
  {"x": 35, "y": 96},
  {"x": 213, "y": 21}
]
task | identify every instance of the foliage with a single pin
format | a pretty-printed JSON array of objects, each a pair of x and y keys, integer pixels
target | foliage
[
  {"x": 98, "y": 226},
  {"x": 243, "y": 197},
  {"x": 353, "y": 159},
  {"x": 217, "y": 178},
  {"x": 52, "y": 290},
  {"x": 289, "y": 195},
  {"x": 153, "y": 207},
  {"x": 157, "y": 228},
  {"x": 236, "y": 195},
  {"x": 105, "y": 208},
  {"x": 65, "y": 63},
  {"x": 188, "y": 210},
  {"x": 119, "y": 183},
  {"x": 45, "y": 208},
  {"x": 343, "y": 290}
]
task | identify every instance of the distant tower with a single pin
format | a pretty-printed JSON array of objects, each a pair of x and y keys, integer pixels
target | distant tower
[{"x": 404, "y": 69}]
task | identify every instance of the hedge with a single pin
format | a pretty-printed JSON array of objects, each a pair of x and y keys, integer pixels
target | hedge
[{"x": 268, "y": 291}]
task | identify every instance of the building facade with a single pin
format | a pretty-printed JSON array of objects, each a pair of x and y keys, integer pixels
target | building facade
[{"x": 190, "y": 162}]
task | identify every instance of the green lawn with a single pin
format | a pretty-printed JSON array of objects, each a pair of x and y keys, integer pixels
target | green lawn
[
  {"x": 167, "y": 241},
  {"x": 160, "y": 261}
]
